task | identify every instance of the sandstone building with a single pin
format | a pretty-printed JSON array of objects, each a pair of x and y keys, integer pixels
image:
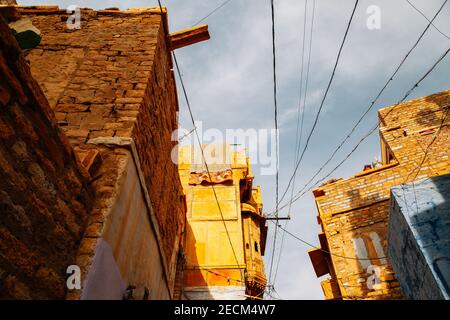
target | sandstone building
[
  {"x": 354, "y": 212},
  {"x": 86, "y": 176},
  {"x": 222, "y": 262}
]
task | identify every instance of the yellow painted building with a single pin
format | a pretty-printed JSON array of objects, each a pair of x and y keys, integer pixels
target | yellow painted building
[{"x": 224, "y": 247}]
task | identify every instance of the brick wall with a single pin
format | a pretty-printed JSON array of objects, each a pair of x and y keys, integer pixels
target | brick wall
[
  {"x": 44, "y": 198},
  {"x": 353, "y": 212},
  {"x": 153, "y": 136},
  {"x": 113, "y": 78}
]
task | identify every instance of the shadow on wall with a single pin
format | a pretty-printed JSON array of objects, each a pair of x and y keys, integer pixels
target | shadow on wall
[
  {"x": 428, "y": 117},
  {"x": 419, "y": 238},
  {"x": 367, "y": 240},
  {"x": 419, "y": 226},
  {"x": 194, "y": 278}
]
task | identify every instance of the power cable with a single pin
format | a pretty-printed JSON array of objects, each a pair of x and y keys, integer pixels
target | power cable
[
  {"x": 315, "y": 121},
  {"x": 323, "y": 99},
  {"x": 378, "y": 95},
  {"x": 323, "y": 250},
  {"x": 434, "y": 139},
  {"x": 429, "y": 71},
  {"x": 204, "y": 158},
  {"x": 444, "y": 117},
  {"x": 212, "y": 12},
  {"x": 302, "y": 120},
  {"x": 276, "y": 130},
  {"x": 186, "y": 135},
  {"x": 423, "y": 15},
  {"x": 200, "y": 146}
]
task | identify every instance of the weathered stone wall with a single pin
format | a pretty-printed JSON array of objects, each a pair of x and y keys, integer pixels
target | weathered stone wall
[
  {"x": 354, "y": 212},
  {"x": 44, "y": 198},
  {"x": 8, "y": 2},
  {"x": 126, "y": 252},
  {"x": 419, "y": 238},
  {"x": 153, "y": 137},
  {"x": 113, "y": 78}
]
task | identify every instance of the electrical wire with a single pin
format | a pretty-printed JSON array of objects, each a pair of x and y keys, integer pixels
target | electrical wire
[
  {"x": 204, "y": 158},
  {"x": 217, "y": 274},
  {"x": 214, "y": 272},
  {"x": 308, "y": 67},
  {"x": 200, "y": 146},
  {"x": 323, "y": 99},
  {"x": 377, "y": 97},
  {"x": 302, "y": 192},
  {"x": 211, "y": 13},
  {"x": 393, "y": 108},
  {"x": 298, "y": 136},
  {"x": 423, "y": 15},
  {"x": 323, "y": 250},
  {"x": 274, "y": 65},
  {"x": 270, "y": 294},
  {"x": 391, "y": 78},
  {"x": 356, "y": 297},
  {"x": 300, "y": 111},
  {"x": 186, "y": 135},
  {"x": 315, "y": 121},
  {"x": 444, "y": 117},
  {"x": 298, "y": 143}
]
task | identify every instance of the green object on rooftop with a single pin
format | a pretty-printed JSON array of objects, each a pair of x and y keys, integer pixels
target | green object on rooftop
[{"x": 27, "y": 35}]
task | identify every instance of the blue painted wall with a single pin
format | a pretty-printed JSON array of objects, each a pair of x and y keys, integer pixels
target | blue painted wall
[{"x": 419, "y": 238}]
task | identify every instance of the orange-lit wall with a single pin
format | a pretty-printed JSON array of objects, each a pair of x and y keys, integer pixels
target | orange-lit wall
[{"x": 214, "y": 268}]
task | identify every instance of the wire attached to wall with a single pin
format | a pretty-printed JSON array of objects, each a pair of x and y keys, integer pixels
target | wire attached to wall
[
  {"x": 316, "y": 120},
  {"x": 303, "y": 191},
  {"x": 276, "y": 130},
  {"x": 302, "y": 106},
  {"x": 323, "y": 250},
  {"x": 201, "y": 148},
  {"x": 390, "y": 79},
  {"x": 436, "y": 135}
]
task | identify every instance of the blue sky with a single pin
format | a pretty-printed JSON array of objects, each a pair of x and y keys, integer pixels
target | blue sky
[{"x": 229, "y": 81}]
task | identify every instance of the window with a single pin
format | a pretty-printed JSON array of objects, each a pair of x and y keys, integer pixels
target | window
[
  {"x": 387, "y": 155},
  {"x": 256, "y": 247}
]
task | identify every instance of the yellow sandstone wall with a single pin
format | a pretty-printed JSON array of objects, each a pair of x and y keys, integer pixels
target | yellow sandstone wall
[
  {"x": 353, "y": 212},
  {"x": 211, "y": 270},
  {"x": 111, "y": 86}
]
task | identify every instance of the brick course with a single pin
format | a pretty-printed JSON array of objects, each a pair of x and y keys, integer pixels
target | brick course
[
  {"x": 358, "y": 207},
  {"x": 45, "y": 197},
  {"x": 114, "y": 78}
]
